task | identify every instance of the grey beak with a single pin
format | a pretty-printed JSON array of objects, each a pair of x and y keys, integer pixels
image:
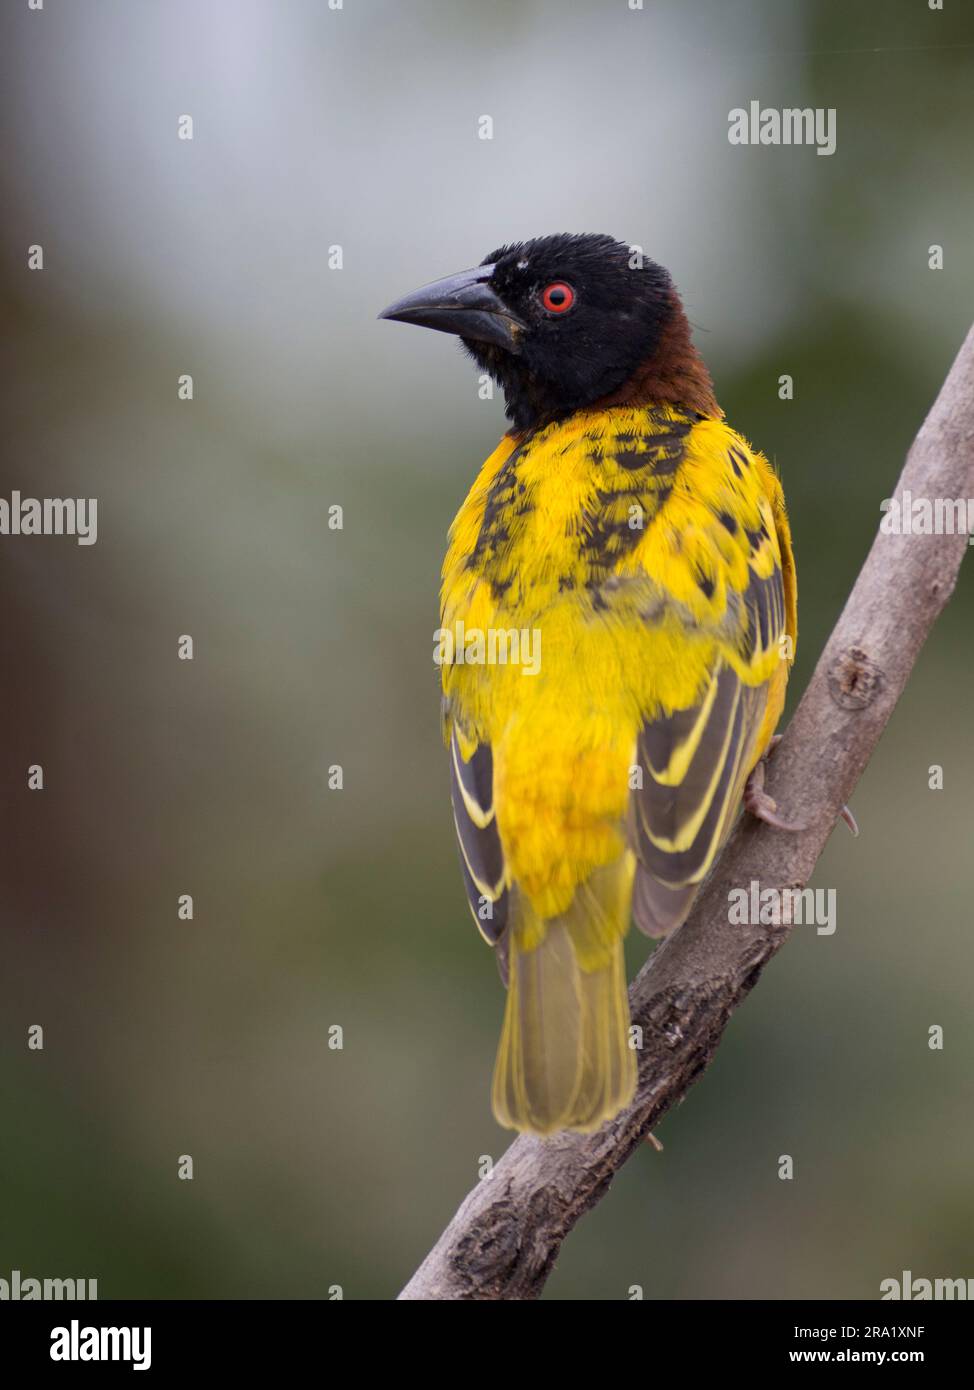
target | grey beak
[{"x": 463, "y": 304}]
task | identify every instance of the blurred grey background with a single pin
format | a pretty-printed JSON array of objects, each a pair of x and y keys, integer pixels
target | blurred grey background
[{"x": 357, "y": 127}]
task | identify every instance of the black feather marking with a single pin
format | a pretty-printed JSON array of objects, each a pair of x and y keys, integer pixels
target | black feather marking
[
  {"x": 481, "y": 854},
  {"x": 477, "y": 775},
  {"x": 490, "y": 915},
  {"x": 480, "y": 845},
  {"x": 764, "y": 601},
  {"x": 738, "y": 460},
  {"x": 664, "y": 809},
  {"x": 647, "y": 465},
  {"x": 606, "y": 539},
  {"x": 498, "y": 508},
  {"x": 660, "y": 738},
  {"x": 664, "y": 467},
  {"x": 671, "y": 441}
]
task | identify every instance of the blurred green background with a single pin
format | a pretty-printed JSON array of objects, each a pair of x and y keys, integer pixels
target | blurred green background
[{"x": 313, "y": 907}]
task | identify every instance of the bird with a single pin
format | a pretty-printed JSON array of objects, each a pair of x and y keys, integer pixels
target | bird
[{"x": 640, "y": 548}]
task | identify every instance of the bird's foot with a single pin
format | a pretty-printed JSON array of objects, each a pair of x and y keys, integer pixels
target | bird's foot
[
  {"x": 764, "y": 807},
  {"x": 760, "y": 804}
]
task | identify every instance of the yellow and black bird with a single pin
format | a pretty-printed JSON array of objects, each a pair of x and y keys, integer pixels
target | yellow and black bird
[{"x": 643, "y": 542}]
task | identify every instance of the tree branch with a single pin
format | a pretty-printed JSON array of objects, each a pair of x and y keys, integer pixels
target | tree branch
[{"x": 503, "y": 1240}]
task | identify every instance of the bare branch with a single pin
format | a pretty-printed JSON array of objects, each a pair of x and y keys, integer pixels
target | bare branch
[{"x": 504, "y": 1238}]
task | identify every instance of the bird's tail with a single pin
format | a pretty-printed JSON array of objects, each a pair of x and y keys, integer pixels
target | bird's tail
[{"x": 564, "y": 1060}]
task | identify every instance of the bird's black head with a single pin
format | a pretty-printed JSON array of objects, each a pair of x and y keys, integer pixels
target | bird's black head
[{"x": 560, "y": 322}]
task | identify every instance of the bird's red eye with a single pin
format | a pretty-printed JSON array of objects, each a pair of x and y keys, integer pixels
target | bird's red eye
[{"x": 558, "y": 297}]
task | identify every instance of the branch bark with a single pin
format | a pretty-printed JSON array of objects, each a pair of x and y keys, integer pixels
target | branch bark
[{"x": 502, "y": 1242}]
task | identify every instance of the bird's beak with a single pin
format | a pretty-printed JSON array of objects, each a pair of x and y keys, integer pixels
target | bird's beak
[{"x": 463, "y": 304}]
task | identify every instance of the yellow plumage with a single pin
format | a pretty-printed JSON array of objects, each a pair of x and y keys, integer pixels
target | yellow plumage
[{"x": 648, "y": 548}]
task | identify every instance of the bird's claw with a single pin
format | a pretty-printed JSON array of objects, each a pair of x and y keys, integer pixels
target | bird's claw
[
  {"x": 759, "y": 803},
  {"x": 764, "y": 807}
]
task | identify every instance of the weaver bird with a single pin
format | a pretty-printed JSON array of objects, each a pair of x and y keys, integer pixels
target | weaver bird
[{"x": 624, "y": 526}]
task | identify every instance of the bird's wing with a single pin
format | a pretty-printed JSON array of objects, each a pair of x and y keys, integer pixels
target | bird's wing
[
  {"x": 481, "y": 855},
  {"x": 728, "y": 585}
]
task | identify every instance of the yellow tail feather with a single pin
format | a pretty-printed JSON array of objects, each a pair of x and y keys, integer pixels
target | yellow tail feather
[{"x": 564, "y": 1060}]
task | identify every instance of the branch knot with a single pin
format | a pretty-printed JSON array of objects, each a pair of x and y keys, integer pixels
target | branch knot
[{"x": 854, "y": 679}]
